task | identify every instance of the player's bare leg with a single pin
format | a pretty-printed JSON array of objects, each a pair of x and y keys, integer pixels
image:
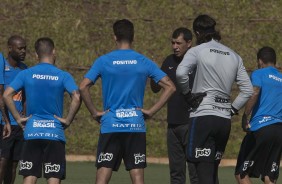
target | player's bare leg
[
  {"x": 237, "y": 177},
  {"x": 267, "y": 180},
  {"x": 13, "y": 172},
  {"x": 137, "y": 176},
  {"x": 245, "y": 180},
  {"x": 103, "y": 175},
  {"x": 53, "y": 181},
  {"x": 30, "y": 180},
  {"x": 3, "y": 168}
]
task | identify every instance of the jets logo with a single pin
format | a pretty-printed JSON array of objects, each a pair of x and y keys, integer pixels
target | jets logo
[
  {"x": 25, "y": 165},
  {"x": 205, "y": 152},
  {"x": 105, "y": 157},
  {"x": 52, "y": 168},
  {"x": 139, "y": 158}
]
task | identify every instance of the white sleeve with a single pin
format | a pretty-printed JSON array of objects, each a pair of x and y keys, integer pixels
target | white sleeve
[
  {"x": 244, "y": 83},
  {"x": 185, "y": 68}
]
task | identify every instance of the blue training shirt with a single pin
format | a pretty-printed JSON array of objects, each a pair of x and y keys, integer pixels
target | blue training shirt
[
  {"x": 124, "y": 75},
  {"x": 9, "y": 75},
  {"x": 268, "y": 109},
  {"x": 44, "y": 86},
  {"x": 2, "y": 64}
]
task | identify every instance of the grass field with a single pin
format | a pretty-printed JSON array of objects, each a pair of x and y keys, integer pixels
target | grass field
[{"x": 84, "y": 173}]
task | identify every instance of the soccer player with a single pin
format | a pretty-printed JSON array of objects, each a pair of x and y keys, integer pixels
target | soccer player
[
  {"x": 124, "y": 73},
  {"x": 11, "y": 146},
  {"x": 217, "y": 68},
  {"x": 44, "y": 86},
  {"x": 261, "y": 148},
  {"x": 177, "y": 111},
  {"x": 5, "y": 130}
]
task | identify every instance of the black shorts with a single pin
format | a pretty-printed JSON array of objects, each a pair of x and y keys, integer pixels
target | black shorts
[
  {"x": 207, "y": 138},
  {"x": 263, "y": 159},
  {"x": 246, "y": 147},
  {"x": 48, "y": 154},
  {"x": 12, "y": 145},
  {"x": 113, "y": 147}
]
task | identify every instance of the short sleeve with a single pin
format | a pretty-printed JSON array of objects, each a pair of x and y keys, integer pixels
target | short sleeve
[
  {"x": 154, "y": 71},
  {"x": 18, "y": 83},
  {"x": 256, "y": 79},
  {"x": 95, "y": 71},
  {"x": 69, "y": 83}
]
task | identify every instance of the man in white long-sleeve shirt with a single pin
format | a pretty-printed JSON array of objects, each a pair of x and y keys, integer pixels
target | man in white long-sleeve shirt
[{"x": 217, "y": 68}]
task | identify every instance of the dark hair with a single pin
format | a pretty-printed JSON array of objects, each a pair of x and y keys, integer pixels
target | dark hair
[
  {"x": 13, "y": 38},
  {"x": 204, "y": 28},
  {"x": 267, "y": 55},
  {"x": 44, "y": 47},
  {"x": 124, "y": 30},
  {"x": 187, "y": 35}
]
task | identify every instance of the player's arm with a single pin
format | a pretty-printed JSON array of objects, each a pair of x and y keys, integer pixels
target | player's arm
[
  {"x": 73, "y": 109},
  {"x": 186, "y": 67},
  {"x": 245, "y": 86},
  {"x": 7, "y": 127},
  {"x": 168, "y": 90},
  {"x": 86, "y": 98},
  {"x": 249, "y": 107},
  {"x": 8, "y": 99},
  {"x": 252, "y": 101},
  {"x": 154, "y": 86}
]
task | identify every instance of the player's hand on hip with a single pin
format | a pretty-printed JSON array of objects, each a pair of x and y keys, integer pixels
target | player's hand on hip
[
  {"x": 194, "y": 99},
  {"x": 245, "y": 123},
  {"x": 7, "y": 130},
  {"x": 22, "y": 121},
  {"x": 147, "y": 114},
  {"x": 98, "y": 115},
  {"x": 64, "y": 121}
]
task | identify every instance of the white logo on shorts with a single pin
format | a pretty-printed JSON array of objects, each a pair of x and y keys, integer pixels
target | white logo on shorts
[
  {"x": 52, "y": 168},
  {"x": 274, "y": 167},
  {"x": 105, "y": 157},
  {"x": 218, "y": 155},
  {"x": 25, "y": 165},
  {"x": 202, "y": 152},
  {"x": 139, "y": 158},
  {"x": 247, "y": 164}
]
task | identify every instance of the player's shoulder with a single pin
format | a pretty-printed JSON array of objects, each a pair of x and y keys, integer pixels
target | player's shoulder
[
  {"x": 261, "y": 72},
  {"x": 169, "y": 58},
  {"x": 22, "y": 65}
]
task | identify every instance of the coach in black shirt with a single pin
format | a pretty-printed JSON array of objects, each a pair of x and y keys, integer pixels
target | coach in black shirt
[{"x": 177, "y": 111}]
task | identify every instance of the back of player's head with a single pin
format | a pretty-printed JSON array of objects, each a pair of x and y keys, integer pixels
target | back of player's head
[
  {"x": 44, "y": 47},
  {"x": 267, "y": 55},
  {"x": 124, "y": 30},
  {"x": 204, "y": 28},
  {"x": 187, "y": 34},
  {"x": 13, "y": 39}
]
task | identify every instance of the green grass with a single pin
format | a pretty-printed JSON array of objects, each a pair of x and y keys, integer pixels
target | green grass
[{"x": 84, "y": 173}]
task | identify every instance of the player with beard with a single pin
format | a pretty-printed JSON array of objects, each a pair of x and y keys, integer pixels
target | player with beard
[
  {"x": 177, "y": 111},
  {"x": 11, "y": 146},
  {"x": 45, "y": 86}
]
